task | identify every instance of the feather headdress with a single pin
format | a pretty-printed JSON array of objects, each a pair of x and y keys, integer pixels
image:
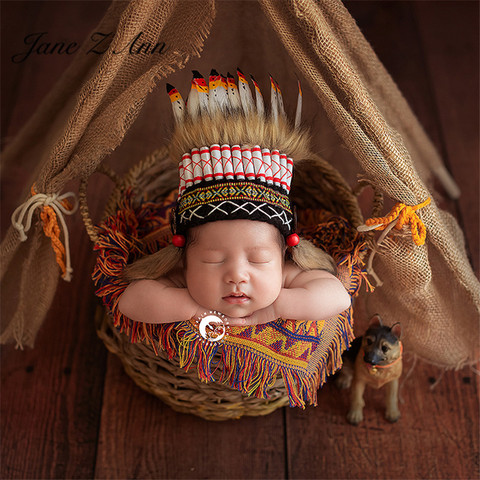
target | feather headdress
[
  {"x": 225, "y": 137},
  {"x": 231, "y": 115}
]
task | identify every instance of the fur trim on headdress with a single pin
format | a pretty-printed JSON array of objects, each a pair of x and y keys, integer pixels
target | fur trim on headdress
[{"x": 240, "y": 129}]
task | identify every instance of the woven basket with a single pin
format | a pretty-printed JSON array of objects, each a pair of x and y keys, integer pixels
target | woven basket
[{"x": 316, "y": 185}]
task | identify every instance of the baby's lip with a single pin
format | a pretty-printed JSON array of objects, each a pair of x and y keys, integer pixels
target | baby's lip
[
  {"x": 236, "y": 297},
  {"x": 236, "y": 294}
]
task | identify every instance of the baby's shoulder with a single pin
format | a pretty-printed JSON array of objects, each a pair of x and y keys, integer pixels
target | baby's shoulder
[
  {"x": 290, "y": 272},
  {"x": 176, "y": 277}
]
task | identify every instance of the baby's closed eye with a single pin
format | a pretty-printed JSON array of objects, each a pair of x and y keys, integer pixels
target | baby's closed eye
[
  {"x": 261, "y": 255},
  {"x": 213, "y": 258},
  {"x": 259, "y": 259}
]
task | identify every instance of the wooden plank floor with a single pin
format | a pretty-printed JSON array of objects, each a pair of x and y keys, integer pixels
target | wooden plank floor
[{"x": 69, "y": 411}]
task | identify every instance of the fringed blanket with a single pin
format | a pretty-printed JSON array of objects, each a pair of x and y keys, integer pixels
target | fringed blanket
[{"x": 303, "y": 353}]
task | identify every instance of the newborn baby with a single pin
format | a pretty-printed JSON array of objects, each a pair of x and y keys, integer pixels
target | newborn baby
[
  {"x": 234, "y": 219},
  {"x": 238, "y": 268}
]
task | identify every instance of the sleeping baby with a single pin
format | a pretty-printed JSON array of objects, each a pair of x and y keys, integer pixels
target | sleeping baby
[{"x": 234, "y": 248}]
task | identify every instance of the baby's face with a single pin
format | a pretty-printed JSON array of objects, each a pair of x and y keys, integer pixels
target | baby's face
[{"x": 234, "y": 266}]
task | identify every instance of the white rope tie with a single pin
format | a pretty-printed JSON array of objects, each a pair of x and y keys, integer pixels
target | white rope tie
[{"x": 22, "y": 219}]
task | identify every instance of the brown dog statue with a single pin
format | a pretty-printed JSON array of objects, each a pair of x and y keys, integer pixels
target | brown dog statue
[{"x": 375, "y": 360}]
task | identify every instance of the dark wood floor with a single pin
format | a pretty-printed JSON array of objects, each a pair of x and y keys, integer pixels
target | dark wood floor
[{"x": 69, "y": 411}]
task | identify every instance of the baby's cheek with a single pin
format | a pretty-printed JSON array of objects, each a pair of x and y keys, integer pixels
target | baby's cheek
[
  {"x": 196, "y": 287},
  {"x": 269, "y": 291},
  {"x": 205, "y": 291}
]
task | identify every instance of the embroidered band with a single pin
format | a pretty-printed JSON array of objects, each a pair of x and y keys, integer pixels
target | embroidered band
[{"x": 234, "y": 200}]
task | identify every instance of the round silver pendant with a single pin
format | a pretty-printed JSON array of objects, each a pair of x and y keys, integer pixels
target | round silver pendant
[{"x": 212, "y": 327}]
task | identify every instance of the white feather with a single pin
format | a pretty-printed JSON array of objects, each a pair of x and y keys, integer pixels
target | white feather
[
  {"x": 233, "y": 95},
  {"x": 217, "y": 94},
  {"x": 274, "y": 100},
  {"x": 193, "y": 105},
  {"x": 298, "y": 113},
  {"x": 213, "y": 92},
  {"x": 222, "y": 96},
  {"x": 281, "y": 109},
  {"x": 258, "y": 98},
  {"x": 246, "y": 98},
  {"x": 178, "y": 105},
  {"x": 202, "y": 91}
]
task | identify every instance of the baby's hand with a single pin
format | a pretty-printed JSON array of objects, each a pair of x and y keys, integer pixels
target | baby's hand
[{"x": 265, "y": 315}]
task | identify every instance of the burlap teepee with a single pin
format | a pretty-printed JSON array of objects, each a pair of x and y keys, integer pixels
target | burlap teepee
[{"x": 430, "y": 289}]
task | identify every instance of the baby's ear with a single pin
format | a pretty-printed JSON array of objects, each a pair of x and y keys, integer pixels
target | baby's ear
[
  {"x": 397, "y": 330},
  {"x": 375, "y": 321}
]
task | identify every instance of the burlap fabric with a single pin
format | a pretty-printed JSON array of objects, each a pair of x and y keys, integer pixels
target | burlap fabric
[{"x": 430, "y": 289}]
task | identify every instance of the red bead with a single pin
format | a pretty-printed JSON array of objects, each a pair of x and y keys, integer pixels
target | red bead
[
  {"x": 178, "y": 241},
  {"x": 293, "y": 240}
]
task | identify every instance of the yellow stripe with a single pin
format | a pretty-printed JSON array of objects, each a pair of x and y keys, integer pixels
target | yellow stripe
[{"x": 268, "y": 353}]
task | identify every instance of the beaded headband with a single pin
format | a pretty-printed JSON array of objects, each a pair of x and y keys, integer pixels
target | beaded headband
[{"x": 231, "y": 181}]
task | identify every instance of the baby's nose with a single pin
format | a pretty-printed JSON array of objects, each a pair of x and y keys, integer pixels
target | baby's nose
[{"x": 236, "y": 274}]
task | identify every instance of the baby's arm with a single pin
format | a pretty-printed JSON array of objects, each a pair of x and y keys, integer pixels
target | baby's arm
[
  {"x": 158, "y": 301},
  {"x": 311, "y": 295}
]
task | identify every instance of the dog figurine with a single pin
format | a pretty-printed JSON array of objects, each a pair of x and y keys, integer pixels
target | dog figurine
[{"x": 375, "y": 360}]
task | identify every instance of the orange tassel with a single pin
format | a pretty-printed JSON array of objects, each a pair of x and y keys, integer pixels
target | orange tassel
[
  {"x": 403, "y": 215},
  {"x": 52, "y": 230}
]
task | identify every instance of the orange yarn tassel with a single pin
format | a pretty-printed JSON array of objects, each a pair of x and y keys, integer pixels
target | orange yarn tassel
[
  {"x": 52, "y": 230},
  {"x": 404, "y": 215}
]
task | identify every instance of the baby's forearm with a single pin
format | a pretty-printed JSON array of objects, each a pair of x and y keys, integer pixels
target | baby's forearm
[
  {"x": 149, "y": 301},
  {"x": 319, "y": 300}
]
